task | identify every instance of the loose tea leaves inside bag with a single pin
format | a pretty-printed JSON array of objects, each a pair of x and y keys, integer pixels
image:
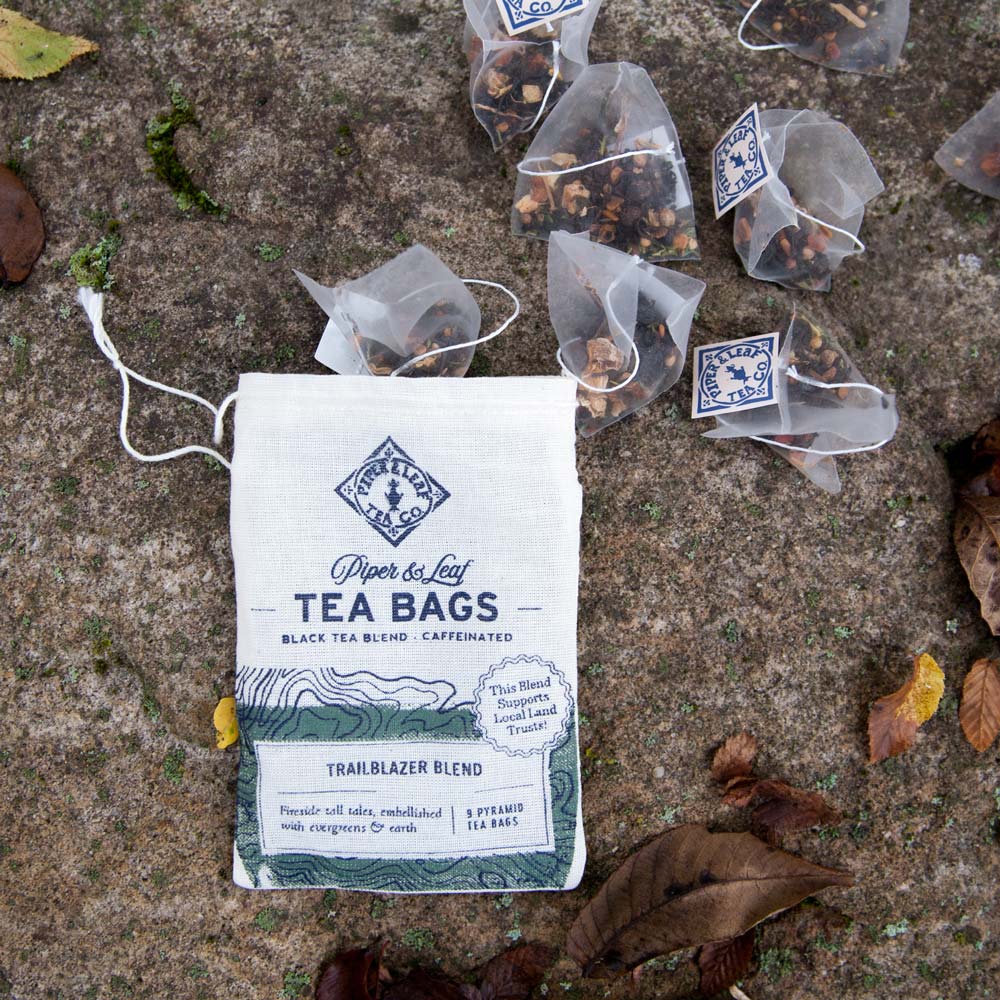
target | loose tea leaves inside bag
[
  {"x": 798, "y": 227},
  {"x": 406, "y": 556},
  {"x": 824, "y": 407},
  {"x": 514, "y": 80},
  {"x": 972, "y": 154},
  {"x": 622, "y": 326},
  {"x": 858, "y": 37},
  {"x": 608, "y": 162},
  {"x": 412, "y": 317}
]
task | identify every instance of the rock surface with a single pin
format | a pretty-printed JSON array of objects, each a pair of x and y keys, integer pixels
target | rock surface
[{"x": 719, "y": 591}]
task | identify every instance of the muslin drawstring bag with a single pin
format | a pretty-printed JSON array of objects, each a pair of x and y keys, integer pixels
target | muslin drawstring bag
[
  {"x": 972, "y": 154},
  {"x": 622, "y": 325},
  {"x": 406, "y": 555},
  {"x": 412, "y": 316},
  {"x": 857, "y": 36},
  {"x": 798, "y": 228},
  {"x": 608, "y": 162},
  {"x": 515, "y": 79},
  {"x": 824, "y": 407}
]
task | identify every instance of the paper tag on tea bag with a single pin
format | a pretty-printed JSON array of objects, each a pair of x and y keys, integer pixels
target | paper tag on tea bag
[
  {"x": 735, "y": 375},
  {"x": 739, "y": 162},
  {"x": 523, "y": 15}
]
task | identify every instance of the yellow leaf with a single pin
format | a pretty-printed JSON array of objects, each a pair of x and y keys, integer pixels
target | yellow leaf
[
  {"x": 227, "y": 729},
  {"x": 922, "y": 700},
  {"x": 27, "y": 50}
]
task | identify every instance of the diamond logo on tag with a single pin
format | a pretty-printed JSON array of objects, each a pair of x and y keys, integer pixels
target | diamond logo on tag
[
  {"x": 523, "y": 15},
  {"x": 391, "y": 492},
  {"x": 739, "y": 163},
  {"x": 737, "y": 375}
]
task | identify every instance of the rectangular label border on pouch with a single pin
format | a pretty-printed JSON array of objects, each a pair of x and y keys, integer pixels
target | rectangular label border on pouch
[
  {"x": 709, "y": 394},
  {"x": 742, "y": 139}
]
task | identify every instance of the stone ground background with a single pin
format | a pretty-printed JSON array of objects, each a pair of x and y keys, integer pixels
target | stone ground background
[{"x": 337, "y": 131}]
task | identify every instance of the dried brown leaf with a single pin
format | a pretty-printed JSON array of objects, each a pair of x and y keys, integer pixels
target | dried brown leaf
[
  {"x": 514, "y": 974},
  {"x": 739, "y": 791},
  {"x": 352, "y": 975},
  {"x": 722, "y": 963},
  {"x": 422, "y": 984},
  {"x": 734, "y": 759},
  {"x": 780, "y": 808},
  {"x": 22, "y": 234},
  {"x": 977, "y": 523},
  {"x": 685, "y": 888},
  {"x": 894, "y": 719},
  {"x": 980, "y": 711}
]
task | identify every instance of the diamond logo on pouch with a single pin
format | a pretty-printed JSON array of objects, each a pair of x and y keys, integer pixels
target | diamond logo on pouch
[
  {"x": 391, "y": 492},
  {"x": 522, "y": 15},
  {"x": 739, "y": 162},
  {"x": 737, "y": 375}
]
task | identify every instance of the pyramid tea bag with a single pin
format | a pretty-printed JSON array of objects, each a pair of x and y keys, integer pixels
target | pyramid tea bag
[
  {"x": 608, "y": 162},
  {"x": 622, "y": 326},
  {"x": 515, "y": 79},
  {"x": 411, "y": 317},
  {"x": 972, "y": 155},
  {"x": 798, "y": 227},
  {"x": 858, "y": 36},
  {"x": 824, "y": 407}
]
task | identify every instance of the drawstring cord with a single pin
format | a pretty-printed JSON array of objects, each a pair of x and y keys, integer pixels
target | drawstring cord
[
  {"x": 667, "y": 150},
  {"x": 552, "y": 83},
  {"x": 93, "y": 304},
  {"x": 468, "y": 343},
  {"x": 743, "y": 24},
  {"x": 609, "y": 309},
  {"x": 807, "y": 380}
]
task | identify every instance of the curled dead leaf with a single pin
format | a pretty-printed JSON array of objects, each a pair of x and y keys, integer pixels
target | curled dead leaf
[
  {"x": 780, "y": 808},
  {"x": 977, "y": 526},
  {"x": 894, "y": 719},
  {"x": 685, "y": 888},
  {"x": 722, "y": 963},
  {"x": 980, "y": 711},
  {"x": 352, "y": 975},
  {"x": 423, "y": 984},
  {"x": 734, "y": 759},
  {"x": 22, "y": 233},
  {"x": 514, "y": 974}
]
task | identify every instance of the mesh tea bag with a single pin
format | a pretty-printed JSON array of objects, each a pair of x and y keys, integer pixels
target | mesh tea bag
[
  {"x": 824, "y": 407},
  {"x": 622, "y": 326},
  {"x": 858, "y": 37},
  {"x": 972, "y": 154},
  {"x": 798, "y": 227},
  {"x": 412, "y": 316},
  {"x": 515, "y": 79},
  {"x": 608, "y": 162}
]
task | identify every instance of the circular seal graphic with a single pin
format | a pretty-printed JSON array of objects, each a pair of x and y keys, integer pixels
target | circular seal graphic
[
  {"x": 523, "y": 705},
  {"x": 736, "y": 374}
]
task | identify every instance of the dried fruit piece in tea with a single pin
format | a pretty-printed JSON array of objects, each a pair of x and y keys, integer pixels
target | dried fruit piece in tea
[
  {"x": 797, "y": 229},
  {"x": 825, "y": 407},
  {"x": 514, "y": 80},
  {"x": 607, "y": 162},
  {"x": 972, "y": 155},
  {"x": 858, "y": 36},
  {"x": 622, "y": 326},
  {"x": 387, "y": 320}
]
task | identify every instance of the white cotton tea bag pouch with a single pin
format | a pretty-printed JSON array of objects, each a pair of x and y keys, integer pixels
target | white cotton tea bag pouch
[
  {"x": 798, "y": 227},
  {"x": 412, "y": 316},
  {"x": 972, "y": 155},
  {"x": 522, "y": 60},
  {"x": 406, "y": 558},
  {"x": 857, "y": 36},
  {"x": 622, "y": 325},
  {"x": 608, "y": 162},
  {"x": 807, "y": 401}
]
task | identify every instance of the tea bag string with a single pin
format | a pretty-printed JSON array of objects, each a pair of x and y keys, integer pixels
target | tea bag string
[
  {"x": 93, "y": 305},
  {"x": 468, "y": 343},
  {"x": 834, "y": 229},
  {"x": 666, "y": 150},
  {"x": 636, "y": 261},
  {"x": 743, "y": 24},
  {"x": 552, "y": 83},
  {"x": 792, "y": 373}
]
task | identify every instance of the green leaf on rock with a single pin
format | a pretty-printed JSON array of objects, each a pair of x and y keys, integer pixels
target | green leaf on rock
[{"x": 28, "y": 51}]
